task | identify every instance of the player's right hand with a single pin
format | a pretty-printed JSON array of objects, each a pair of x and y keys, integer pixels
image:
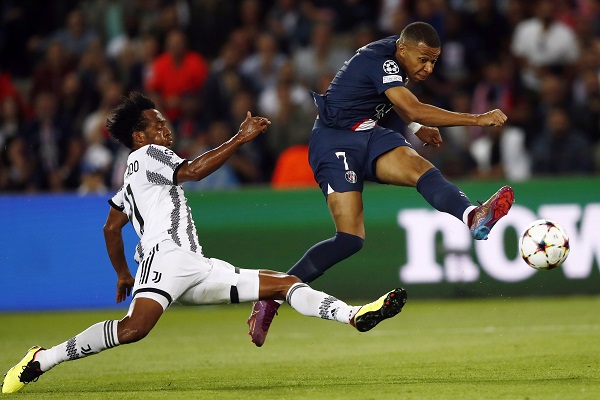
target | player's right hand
[
  {"x": 491, "y": 118},
  {"x": 429, "y": 136},
  {"x": 124, "y": 286}
]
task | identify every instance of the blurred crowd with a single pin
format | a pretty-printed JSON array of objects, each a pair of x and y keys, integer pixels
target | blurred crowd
[{"x": 65, "y": 64}]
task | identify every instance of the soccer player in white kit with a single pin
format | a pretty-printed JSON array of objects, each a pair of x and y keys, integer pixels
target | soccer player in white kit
[{"x": 171, "y": 264}]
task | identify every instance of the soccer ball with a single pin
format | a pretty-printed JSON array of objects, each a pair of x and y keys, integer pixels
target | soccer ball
[{"x": 544, "y": 245}]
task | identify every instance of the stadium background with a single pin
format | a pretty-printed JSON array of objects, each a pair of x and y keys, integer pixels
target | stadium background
[{"x": 64, "y": 64}]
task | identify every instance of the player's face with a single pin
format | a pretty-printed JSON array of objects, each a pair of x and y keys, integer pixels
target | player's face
[
  {"x": 157, "y": 131},
  {"x": 417, "y": 60}
]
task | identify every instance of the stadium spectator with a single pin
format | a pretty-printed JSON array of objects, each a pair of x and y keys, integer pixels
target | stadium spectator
[
  {"x": 543, "y": 44},
  {"x": 129, "y": 68},
  {"x": 290, "y": 25},
  {"x": 9, "y": 90},
  {"x": 99, "y": 152},
  {"x": 493, "y": 90},
  {"x": 212, "y": 19},
  {"x": 263, "y": 65},
  {"x": 148, "y": 54},
  {"x": 173, "y": 15},
  {"x": 561, "y": 149},
  {"x": 320, "y": 56},
  {"x": 50, "y": 74},
  {"x": 171, "y": 255},
  {"x": 191, "y": 126},
  {"x": 94, "y": 71},
  {"x": 177, "y": 71},
  {"x": 74, "y": 101},
  {"x": 55, "y": 149},
  {"x": 553, "y": 92},
  {"x": 269, "y": 99},
  {"x": 290, "y": 108},
  {"x": 455, "y": 68},
  {"x": 129, "y": 37},
  {"x": 488, "y": 31},
  {"x": 258, "y": 166},
  {"x": 250, "y": 19},
  {"x": 76, "y": 36},
  {"x": 15, "y": 170},
  {"x": 500, "y": 153},
  {"x": 429, "y": 11},
  {"x": 224, "y": 80}
]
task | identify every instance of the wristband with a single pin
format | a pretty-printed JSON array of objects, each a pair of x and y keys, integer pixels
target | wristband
[{"x": 414, "y": 127}]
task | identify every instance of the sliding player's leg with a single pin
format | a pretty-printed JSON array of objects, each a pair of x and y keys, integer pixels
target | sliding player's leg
[{"x": 143, "y": 315}]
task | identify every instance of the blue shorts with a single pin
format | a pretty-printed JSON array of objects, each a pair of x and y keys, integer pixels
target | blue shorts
[{"x": 342, "y": 159}]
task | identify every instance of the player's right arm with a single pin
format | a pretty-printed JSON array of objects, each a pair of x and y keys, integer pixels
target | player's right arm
[
  {"x": 115, "y": 247},
  {"x": 205, "y": 164},
  {"x": 411, "y": 109}
]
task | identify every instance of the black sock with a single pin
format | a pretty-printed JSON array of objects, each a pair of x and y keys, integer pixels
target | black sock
[
  {"x": 441, "y": 194},
  {"x": 324, "y": 255}
]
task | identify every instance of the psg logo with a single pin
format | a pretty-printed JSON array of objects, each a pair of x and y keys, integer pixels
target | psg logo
[
  {"x": 351, "y": 176},
  {"x": 390, "y": 67}
]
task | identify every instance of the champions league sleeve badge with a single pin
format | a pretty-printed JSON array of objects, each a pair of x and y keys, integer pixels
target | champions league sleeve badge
[{"x": 390, "y": 67}]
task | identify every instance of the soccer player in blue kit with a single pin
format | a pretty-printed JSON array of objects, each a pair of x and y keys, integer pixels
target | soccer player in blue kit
[{"x": 348, "y": 147}]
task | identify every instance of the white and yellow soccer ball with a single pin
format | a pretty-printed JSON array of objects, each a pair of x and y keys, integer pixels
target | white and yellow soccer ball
[{"x": 544, "y": 245}]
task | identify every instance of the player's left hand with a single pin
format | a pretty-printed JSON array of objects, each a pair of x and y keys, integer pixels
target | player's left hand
[
  {"x": 124, "y": 286},
  {"x": 252, "y": 127},
  {"x": 431, "y": 136}
]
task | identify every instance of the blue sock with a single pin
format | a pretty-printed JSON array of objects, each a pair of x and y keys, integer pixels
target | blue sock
[
  {"x": 325, "y": 255},
  {"x": 441, "y": 194}
]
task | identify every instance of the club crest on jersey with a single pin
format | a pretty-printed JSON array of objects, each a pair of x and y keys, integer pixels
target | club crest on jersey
[
  {"x": 390, "y": 67},
  {"x": 351, "y": 176}
]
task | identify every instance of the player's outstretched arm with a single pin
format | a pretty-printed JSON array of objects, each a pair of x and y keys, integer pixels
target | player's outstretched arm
[
  {"x": 207, "y": 163},
  {"x": 113, "y": 237},
  {"x": 411, "y": 109}
]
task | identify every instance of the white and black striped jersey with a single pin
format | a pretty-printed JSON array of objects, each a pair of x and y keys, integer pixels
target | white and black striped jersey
[{"x": 154, "y": 202}]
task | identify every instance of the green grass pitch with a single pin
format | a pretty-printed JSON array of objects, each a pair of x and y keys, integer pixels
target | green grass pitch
[{"x": 511, "y": 348}]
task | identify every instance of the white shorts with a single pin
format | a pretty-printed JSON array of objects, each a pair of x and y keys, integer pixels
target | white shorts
[{"x": 171, "y": 274}]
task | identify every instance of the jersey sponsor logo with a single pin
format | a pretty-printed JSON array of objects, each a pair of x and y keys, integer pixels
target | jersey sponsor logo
[
  {"x": 390, "y": 67},
  {"x": 392, "y": 78},
  {"x": 351, "y": 176}
]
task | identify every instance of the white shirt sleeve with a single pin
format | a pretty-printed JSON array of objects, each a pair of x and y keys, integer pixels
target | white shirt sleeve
[
  {"x": 118, "y": 200},
  {"x": 162, "y": 165}
]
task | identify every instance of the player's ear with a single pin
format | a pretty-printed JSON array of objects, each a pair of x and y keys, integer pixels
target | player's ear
[
  {"x": 401, "y": 50},
  {"x": 139, "y": 137}
]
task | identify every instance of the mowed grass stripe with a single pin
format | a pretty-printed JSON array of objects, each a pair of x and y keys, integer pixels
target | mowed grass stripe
[{"x": 545, "y": 348}]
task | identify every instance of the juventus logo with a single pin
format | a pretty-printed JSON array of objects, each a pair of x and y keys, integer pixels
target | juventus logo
[
  {"x": 157, "y": 276},
  {"x": 86, "y": 350}
]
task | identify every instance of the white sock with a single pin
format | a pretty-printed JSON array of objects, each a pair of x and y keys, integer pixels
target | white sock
[
  {"x": 313, "y": 303},
  {"x": 466, "y": 214},
  {"x": 93, "y": 340}
]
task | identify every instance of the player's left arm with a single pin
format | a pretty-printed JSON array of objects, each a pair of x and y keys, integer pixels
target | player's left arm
[
  {"x": 113, "y": 236},
  {"x": 411, "y": 109},
  {"x": 207, "y": 163}
]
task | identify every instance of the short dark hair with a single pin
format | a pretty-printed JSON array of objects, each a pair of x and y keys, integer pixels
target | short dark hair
[
  {"x": 128, "y": 117},
  {"x": 420, "y": 32}
]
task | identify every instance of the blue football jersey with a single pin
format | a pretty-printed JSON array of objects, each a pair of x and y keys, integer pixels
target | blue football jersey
[{"x": 355, "y": 98}]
